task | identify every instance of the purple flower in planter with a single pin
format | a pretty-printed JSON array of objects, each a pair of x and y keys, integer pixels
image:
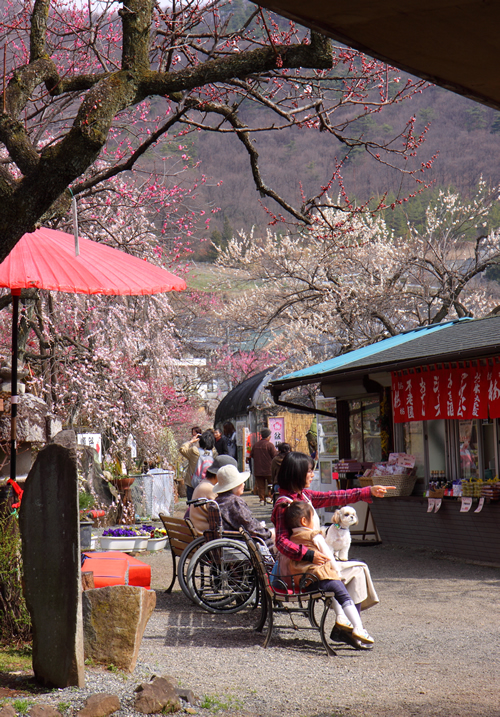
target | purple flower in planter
[
  {"x": 148, "y": 529},
  {"x": 120, "y": 533}
]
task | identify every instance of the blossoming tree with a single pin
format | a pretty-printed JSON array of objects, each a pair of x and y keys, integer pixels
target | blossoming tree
[
  {"x": 348, "y": 280},
  {"x": 105, "y": 362},
  {"x": 84, "y": 81}
]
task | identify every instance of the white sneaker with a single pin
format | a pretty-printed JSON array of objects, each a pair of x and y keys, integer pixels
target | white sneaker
[
  {"x": 362, "y": 635},
  {"x": 343, "y": 623}
]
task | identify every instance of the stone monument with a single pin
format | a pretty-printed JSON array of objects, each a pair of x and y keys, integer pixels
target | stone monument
[{"x": 50, "y": 533}]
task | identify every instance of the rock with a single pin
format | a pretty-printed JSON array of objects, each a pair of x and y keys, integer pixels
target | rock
[
  {"x": 100, "y": 705},
  {"x": 7, "y": 711},
  {"x": 114, "y": 620},
  {"x": 50, "y": 533},
  {"x": 67, "y": 439},
  {"x": 157, "y": 696},
  {"x": 31, "y": 420},
  {"x": 44, "y": 711},
  {"x": 187, "y": 695},
  {"x": 53, "y": 426}
]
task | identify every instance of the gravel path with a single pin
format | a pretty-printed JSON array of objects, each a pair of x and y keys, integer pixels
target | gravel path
[{"x": 437, "y": 651}]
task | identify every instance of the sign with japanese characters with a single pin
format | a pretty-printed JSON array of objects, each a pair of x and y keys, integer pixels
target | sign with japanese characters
[
  {"x": 276, "y": 425},
  {"x": 92, "y": 440},
  {"x": 493, "y": 388},
  {"x": 454, "y": 392}
]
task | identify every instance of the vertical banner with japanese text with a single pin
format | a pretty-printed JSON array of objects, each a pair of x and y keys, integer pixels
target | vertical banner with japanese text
[
  {"x": 276, "y": 424},
  {"x": 493, "y": 387}
]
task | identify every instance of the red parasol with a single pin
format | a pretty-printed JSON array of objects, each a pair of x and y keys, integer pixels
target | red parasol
[{"x": 45, "y": 259}]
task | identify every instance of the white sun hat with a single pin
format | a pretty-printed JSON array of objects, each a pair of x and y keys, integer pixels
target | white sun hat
[{"x": 229, "y": 477}]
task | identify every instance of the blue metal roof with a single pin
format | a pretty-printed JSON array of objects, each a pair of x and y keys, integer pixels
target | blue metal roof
[{"x": 344, "y": 360}]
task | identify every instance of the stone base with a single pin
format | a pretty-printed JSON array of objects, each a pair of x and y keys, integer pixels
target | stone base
[{"x": 114, "y": 620}]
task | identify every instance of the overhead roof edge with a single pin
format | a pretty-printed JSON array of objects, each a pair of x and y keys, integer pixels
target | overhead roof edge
[
  {"x": 431, "y": 51},
  {"x": 458, "y": 340},
  {"x": 317, "y": 372}
]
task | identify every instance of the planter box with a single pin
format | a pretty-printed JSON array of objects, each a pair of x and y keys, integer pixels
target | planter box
[
  {"x": 157, "y": 543},
  {"x": 124, "y": 543}
]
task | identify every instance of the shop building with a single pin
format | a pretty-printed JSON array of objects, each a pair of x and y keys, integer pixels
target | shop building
[{"x": 434, "y": 393}]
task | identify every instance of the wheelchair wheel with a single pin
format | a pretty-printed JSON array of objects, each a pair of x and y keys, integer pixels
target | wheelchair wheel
[
  {"x": 183, "y": 564},
  {"x": 220, "y": 576}
]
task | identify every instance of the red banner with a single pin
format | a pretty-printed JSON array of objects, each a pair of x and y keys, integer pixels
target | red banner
[
  {"x": 493, "y": 382},
  {"x": 409, "y": 397},
  {"x": 456, "y": 393}
]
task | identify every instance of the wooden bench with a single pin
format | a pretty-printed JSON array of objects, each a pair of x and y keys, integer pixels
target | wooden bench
[
  {"x": 279, "y": 597},
  {"x": 180, "y": 533}
]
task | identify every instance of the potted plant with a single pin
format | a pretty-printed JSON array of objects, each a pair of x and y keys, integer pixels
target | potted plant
[
  {"x": 115, "y": 472},
  {"x": 124, "y": 539},
  {"x": 157, "y": 537},
  {"x": 85, "y": 503}
]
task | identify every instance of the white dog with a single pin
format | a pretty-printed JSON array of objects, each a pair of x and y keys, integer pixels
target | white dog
[{"x": 338, "y": 535}]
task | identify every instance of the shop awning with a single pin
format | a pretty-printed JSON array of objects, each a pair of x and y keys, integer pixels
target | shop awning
[
  {"x": 391, "y": 350},
  {"x": 453, "y": 44}
]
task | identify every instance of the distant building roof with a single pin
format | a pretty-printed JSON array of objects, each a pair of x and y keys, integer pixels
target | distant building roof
[
  {"x": 241, "y": 398},
  {"x": 461, "y": 339}
]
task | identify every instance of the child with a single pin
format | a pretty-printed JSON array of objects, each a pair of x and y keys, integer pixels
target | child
[{"x": 299, "y": 519}]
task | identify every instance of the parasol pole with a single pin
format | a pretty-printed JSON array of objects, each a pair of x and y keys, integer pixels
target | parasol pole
[{"x": 14, "y": 398}]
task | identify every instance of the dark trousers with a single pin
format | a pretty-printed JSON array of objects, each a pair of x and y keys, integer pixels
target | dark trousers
[
  {"x": 334, "y": 586},
  {"x": 261, "y": 484}
]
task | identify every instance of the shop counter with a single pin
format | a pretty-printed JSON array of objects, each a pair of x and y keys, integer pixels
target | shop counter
[{"x": 472, "y": 536}]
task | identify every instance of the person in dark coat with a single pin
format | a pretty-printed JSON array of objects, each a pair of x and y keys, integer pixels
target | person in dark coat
[
  {"x": 234, "y": 511},
  {"x": 262, "y": 454},
  {"x": 220, "y": 443},
  {"x": 283, "y": 449}
]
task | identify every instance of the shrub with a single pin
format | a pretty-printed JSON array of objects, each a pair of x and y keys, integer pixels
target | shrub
[{"x": 15, "y": 624}]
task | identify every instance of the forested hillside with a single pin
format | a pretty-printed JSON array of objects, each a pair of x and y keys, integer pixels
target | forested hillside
[{"x": 465, "y": 137}]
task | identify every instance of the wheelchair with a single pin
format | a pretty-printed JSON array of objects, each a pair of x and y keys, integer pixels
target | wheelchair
[{"x": 215, "y": 571}]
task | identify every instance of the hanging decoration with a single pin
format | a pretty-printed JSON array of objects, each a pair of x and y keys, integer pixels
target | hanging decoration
[{"x": 450, "y": 392}]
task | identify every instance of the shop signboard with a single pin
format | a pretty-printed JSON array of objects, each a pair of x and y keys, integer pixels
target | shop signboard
[
  {"x": 426, "y": 394},
  {"x": 276, "y": 425},
  {"x": 92, "y": 440}
]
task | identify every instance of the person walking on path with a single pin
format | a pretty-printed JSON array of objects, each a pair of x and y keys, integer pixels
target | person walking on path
[
  {"x": 190, "y": 450},
  {"x": 230, "y": 439},
  {"x": 220, "y": 443},
  {"x": 262, "y": 454}
]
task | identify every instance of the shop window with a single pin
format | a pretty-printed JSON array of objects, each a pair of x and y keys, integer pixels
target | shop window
[
  {"x": 469, "y": 449},
  {"x": 327, "y": 442},
  {"x": 489, "y": 448},
  {"x": 364, "y": 429},
  {"x": 413, "y": 444},
  {"x": 327, "y": 432},
  {"x": 436, "y": 432},
  {"x": 325, "y": 471}
]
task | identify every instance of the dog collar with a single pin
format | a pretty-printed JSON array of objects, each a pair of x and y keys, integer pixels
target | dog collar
[{"x": 339, "y": 527}]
